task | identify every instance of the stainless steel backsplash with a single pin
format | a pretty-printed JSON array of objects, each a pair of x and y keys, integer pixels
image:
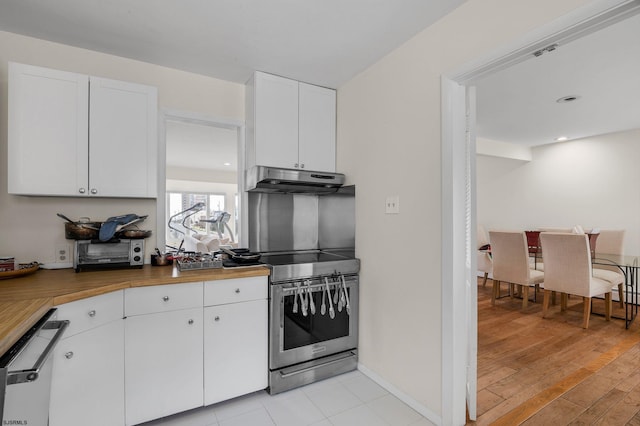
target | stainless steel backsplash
[{"x": 285, "y": 222}]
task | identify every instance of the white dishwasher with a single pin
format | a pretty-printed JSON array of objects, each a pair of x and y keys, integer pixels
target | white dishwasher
[{"x": 25, "y": 373}]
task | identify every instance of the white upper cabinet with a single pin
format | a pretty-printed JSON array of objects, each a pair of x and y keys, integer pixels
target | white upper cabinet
[
  {"x": 122, "y": 138},
  {"x": 48, "y": 121},
  {"x": 290, "y": 124},
  {"x": 76, "y": 135},
  {"x": 317, "y": 128}
]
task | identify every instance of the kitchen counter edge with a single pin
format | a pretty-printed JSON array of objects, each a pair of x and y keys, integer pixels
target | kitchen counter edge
[{"x": 23, "y": 300}]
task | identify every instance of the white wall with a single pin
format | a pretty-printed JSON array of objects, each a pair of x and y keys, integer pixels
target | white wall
[
  {"x": 29, "y": 227},
  {"x": 591, "y": 182},
  {"x": 389, "y": 144}
]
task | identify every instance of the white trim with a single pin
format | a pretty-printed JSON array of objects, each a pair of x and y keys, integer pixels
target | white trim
[
  {"x": 424, "y": 411},
  {"x": 577, "y": 23},
  {"x": 205, "y": 120},
  {"x": 454, "y": 262}
]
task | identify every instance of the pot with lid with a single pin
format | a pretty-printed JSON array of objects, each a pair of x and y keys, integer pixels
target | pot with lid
[{"x": 83, "y": 229}]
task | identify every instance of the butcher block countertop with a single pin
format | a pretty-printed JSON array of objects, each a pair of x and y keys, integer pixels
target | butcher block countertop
[{"x": 25, "y": 299}]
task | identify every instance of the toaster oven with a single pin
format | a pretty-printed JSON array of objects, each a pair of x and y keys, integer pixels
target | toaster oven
[{"x": 112, "y": 254}]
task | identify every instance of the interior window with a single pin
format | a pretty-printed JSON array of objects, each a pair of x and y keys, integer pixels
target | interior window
[{"x": 201, "y": 186}]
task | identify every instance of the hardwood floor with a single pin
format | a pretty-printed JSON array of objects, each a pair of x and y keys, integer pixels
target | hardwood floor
[{"x": 536, "y": 371}]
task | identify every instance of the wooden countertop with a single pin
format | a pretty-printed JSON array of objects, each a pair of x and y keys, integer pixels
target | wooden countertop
[{"x": 23, "y": 300}]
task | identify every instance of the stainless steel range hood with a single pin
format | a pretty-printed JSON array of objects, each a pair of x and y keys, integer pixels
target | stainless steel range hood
[{"x": 290, "y": 181}]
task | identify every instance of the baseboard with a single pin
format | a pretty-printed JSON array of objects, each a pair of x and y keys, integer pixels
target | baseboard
[{"x": 424, "y": 411}]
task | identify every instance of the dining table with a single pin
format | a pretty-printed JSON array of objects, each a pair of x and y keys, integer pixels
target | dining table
[{"x": 629, "y": 266}]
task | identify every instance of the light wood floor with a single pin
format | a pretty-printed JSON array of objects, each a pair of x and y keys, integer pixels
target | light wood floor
[{"x": 536, "y": 371}]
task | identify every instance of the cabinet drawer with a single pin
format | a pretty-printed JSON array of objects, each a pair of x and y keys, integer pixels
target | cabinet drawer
[
  {"x": 162, "y": 298},
  {"x": 92, "y": 312},
  {"x": 235, "y": 290}
]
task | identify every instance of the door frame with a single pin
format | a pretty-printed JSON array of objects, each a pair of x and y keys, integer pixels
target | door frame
[{"x": 459, "y": 325}]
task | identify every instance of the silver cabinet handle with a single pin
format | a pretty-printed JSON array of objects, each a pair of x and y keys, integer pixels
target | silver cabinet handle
[
  {"x": 165, "y": 298},
  {"x": 68, "y": 355},
  {"x": 82, "y": 190},
  {"x": 94, "y": 191},
  {"x": 217, "y": 318},
  {"x": 92, "y": 313},
  {"x": 295, "y": 166},
  {"x": 237, "y": 290},
  {"x": 190, "y": 321},
  {"x": 302, "y": 165}
]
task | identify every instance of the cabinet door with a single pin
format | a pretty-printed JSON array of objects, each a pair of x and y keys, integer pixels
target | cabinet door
[
  {"x": 235, "y": 348},
  {"x": 122, "y": 139},
  {"x": 87, "y": 386},
  {"x": 163, "y": 361},
  {"x": 317, "y": 128},
  {"x": 276, "y": 121},
  {"x": 47, "y": 137}
]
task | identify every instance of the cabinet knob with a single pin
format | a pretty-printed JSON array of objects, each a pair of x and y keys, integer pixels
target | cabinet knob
[
  {"x": 82, "y": 190},
  {"x": 165, "y": 298},
  {"x": 217, "y": 318},
  {"x": 94, "y": 191},
  {"x": 302, "y": 165},
  {"x": 92, "y": 314},
  {"x": 295, "y": 166},
  {"x": 190, "y": 321},
  {"x": 68, "y": 355},
  {"x": 237, "y": 290}
]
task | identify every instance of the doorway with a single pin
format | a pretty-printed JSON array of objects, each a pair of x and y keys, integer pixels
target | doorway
[{"x": 458, "y": 189}]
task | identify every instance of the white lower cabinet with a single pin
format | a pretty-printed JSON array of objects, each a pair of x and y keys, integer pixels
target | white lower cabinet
[
  {"x": 179, "y": 346},
  {"x": 87, "y": 386},
  {"x": 235, "y": 350},
  {"x": 235, "y": 337},
  {"x": 163, "y": 356}
]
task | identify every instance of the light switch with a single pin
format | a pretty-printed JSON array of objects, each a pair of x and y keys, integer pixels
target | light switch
[{"x": 392, "y": 205}]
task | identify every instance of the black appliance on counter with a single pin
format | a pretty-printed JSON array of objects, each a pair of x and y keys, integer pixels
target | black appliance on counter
[{"x": 116, "y": 253}]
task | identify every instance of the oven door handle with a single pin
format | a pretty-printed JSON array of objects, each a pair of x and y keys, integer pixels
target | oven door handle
[{"x": 31, "y": 374}]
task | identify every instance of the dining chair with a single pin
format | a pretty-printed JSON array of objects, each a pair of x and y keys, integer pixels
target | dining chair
[
  {"x": 611, "y": 241},
  {"x": 568, "y": 270},
  {"x": 485, "y": 264},
  {"x": 533, "y": 243},
  {"x": 510, "y": 255}
]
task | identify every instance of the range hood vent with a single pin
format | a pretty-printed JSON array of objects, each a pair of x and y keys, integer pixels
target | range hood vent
[{"x": 290, "y": 181}]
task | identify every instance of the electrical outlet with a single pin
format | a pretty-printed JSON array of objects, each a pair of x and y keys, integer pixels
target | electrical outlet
[
  {"x": 392, "y": 205},
  {"x": 63, "y": 253}
]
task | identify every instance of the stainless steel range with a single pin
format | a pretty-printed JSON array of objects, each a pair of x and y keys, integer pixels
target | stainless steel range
[
  {"x": 313, "y": 317},
  {"x": 305, "y": 230}
]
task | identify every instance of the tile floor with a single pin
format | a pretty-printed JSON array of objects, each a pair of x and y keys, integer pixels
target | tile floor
[{"x": 351, "y": 399}]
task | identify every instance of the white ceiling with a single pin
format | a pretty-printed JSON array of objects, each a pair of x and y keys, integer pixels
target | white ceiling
[
  {"x": 323, "y": 42},
  {"x": 518, "y": 104}
]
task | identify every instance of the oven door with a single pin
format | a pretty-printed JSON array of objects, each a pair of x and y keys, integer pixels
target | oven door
[{"x": 295, "y": 337}]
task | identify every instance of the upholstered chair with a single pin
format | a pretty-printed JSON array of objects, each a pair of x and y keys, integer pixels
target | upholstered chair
[
  {"x": 611, "y": 241},
  {"x": 510, "y": 254},
  {"x": 568, "y": 270}
]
